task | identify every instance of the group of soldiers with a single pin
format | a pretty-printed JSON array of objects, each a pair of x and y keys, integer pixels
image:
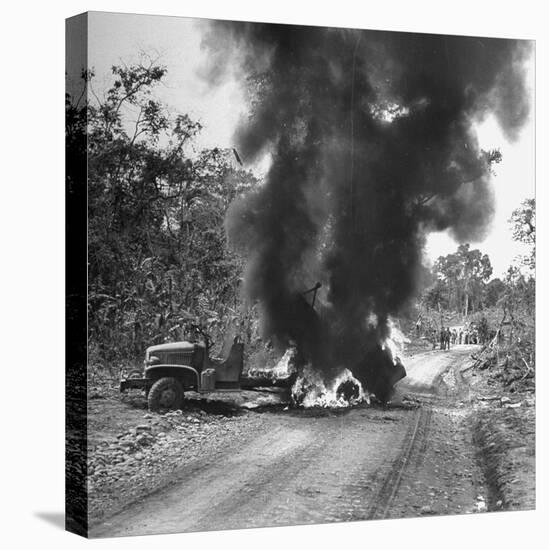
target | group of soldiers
[
  {"x": 469, "y": 333},
  {"x": 447, "y": 337}
]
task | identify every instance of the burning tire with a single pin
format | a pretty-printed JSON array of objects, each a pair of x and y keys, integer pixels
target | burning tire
[
  {"x": 348, "y": 390},
  {"x": 165, "y": 393}
]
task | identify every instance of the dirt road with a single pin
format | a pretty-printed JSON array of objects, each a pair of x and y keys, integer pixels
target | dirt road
[{"x": 299, "y": 467}]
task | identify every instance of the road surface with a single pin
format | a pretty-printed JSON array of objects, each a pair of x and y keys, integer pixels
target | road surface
[
  {"x": 425, "y": 370},
  {"x": 311, "y": 467}
]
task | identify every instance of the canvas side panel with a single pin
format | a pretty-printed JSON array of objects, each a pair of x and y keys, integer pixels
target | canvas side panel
[{"x": 76, "y": 500}]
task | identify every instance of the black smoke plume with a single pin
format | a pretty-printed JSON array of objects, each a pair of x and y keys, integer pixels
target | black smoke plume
[{"x": 372, "y": 145}]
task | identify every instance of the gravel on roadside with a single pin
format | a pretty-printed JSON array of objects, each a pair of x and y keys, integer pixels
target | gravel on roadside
[{"x": 125, "y": 467}]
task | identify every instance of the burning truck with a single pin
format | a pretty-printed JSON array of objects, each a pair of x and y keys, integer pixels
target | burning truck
[
  {"x": 371, "y": 144},
  {"x": 172, "y": 369}
]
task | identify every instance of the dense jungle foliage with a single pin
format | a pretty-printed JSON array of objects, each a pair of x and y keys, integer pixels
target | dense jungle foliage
[{"x": 157, "y": 251}]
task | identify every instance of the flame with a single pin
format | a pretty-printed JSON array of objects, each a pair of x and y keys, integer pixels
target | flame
[
  {"x": 310, "y": 390},
  {"x": 286, "y": 365},
  {"x": 283, "y": 369},
  {"x": 396, "y": 342}
]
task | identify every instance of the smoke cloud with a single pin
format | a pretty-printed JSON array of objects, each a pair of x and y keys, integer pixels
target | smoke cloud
[{"x": 372, "y": 145}]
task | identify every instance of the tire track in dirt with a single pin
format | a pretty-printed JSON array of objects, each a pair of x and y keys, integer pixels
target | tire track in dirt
[
  {"x": 364, "y": 463},
  {"x": 414, "y": 442},
  {"x": 303, "y": 470}
]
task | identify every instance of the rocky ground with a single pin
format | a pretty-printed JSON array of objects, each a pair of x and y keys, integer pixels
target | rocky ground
[
  {"x": 503, "y": 427},
  {"x": 499, "y": 418},
  {"x": 454, "y": 441},
  {"x": 133, "y": 452}
]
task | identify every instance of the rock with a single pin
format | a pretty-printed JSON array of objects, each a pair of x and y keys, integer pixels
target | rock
[
  {"x": 143, "y": 440},
  {"x": 147, "y": 415},
  {"x": 426, "y": 510},
  {"x": 143, "y": 428},
  {"x": 505, "y": 399}
]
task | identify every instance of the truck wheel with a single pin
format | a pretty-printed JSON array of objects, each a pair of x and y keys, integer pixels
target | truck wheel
[{"x": 165, "y": 393}]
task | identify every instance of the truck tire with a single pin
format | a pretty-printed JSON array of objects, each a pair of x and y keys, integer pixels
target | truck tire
[{"x": 165, "y": 393}]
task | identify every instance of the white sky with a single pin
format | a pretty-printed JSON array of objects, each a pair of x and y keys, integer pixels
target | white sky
[{"x": 116, "y": 37}]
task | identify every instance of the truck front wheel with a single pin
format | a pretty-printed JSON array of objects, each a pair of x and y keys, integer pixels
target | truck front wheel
[{"x": 165, "y": 393}]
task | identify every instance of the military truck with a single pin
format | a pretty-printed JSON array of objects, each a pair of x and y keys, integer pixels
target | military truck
[{"x": 174, "y": 368}]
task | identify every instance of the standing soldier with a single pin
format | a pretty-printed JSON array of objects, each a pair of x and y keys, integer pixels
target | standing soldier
[
  {"x": 418, "y": 327},
  {"x": 442, "y": 338}
]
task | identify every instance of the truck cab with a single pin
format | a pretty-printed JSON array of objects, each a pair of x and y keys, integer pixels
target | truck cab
[{"x": 173, "y": 368}]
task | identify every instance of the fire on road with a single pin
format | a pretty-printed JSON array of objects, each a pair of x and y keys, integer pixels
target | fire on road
[{"x": 309, "y": 467}]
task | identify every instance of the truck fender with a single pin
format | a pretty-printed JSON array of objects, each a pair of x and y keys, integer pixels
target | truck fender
[{"x": 182, "y": 372}]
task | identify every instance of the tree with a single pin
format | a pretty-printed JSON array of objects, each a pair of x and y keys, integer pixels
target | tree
[
  {"x": 518, "y": 300},
  {"x": 436, "y": 296},
  {"x": 493, "y": 292},
  {"x": 464, "y": 275},
  {"x": 518, "y": 304},
  {"x": 156, "y": 206},
  {"x": 523, "y": 220}
]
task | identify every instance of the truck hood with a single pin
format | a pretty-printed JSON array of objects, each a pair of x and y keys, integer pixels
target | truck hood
[{"x": 175, "y": 346}]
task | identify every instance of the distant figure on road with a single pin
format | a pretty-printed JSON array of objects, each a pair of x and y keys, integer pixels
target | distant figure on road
[
  {"x": 442, "y": 338},
  {"x": 448, "y": 336},
  {"x": 418, "y": 327}
]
